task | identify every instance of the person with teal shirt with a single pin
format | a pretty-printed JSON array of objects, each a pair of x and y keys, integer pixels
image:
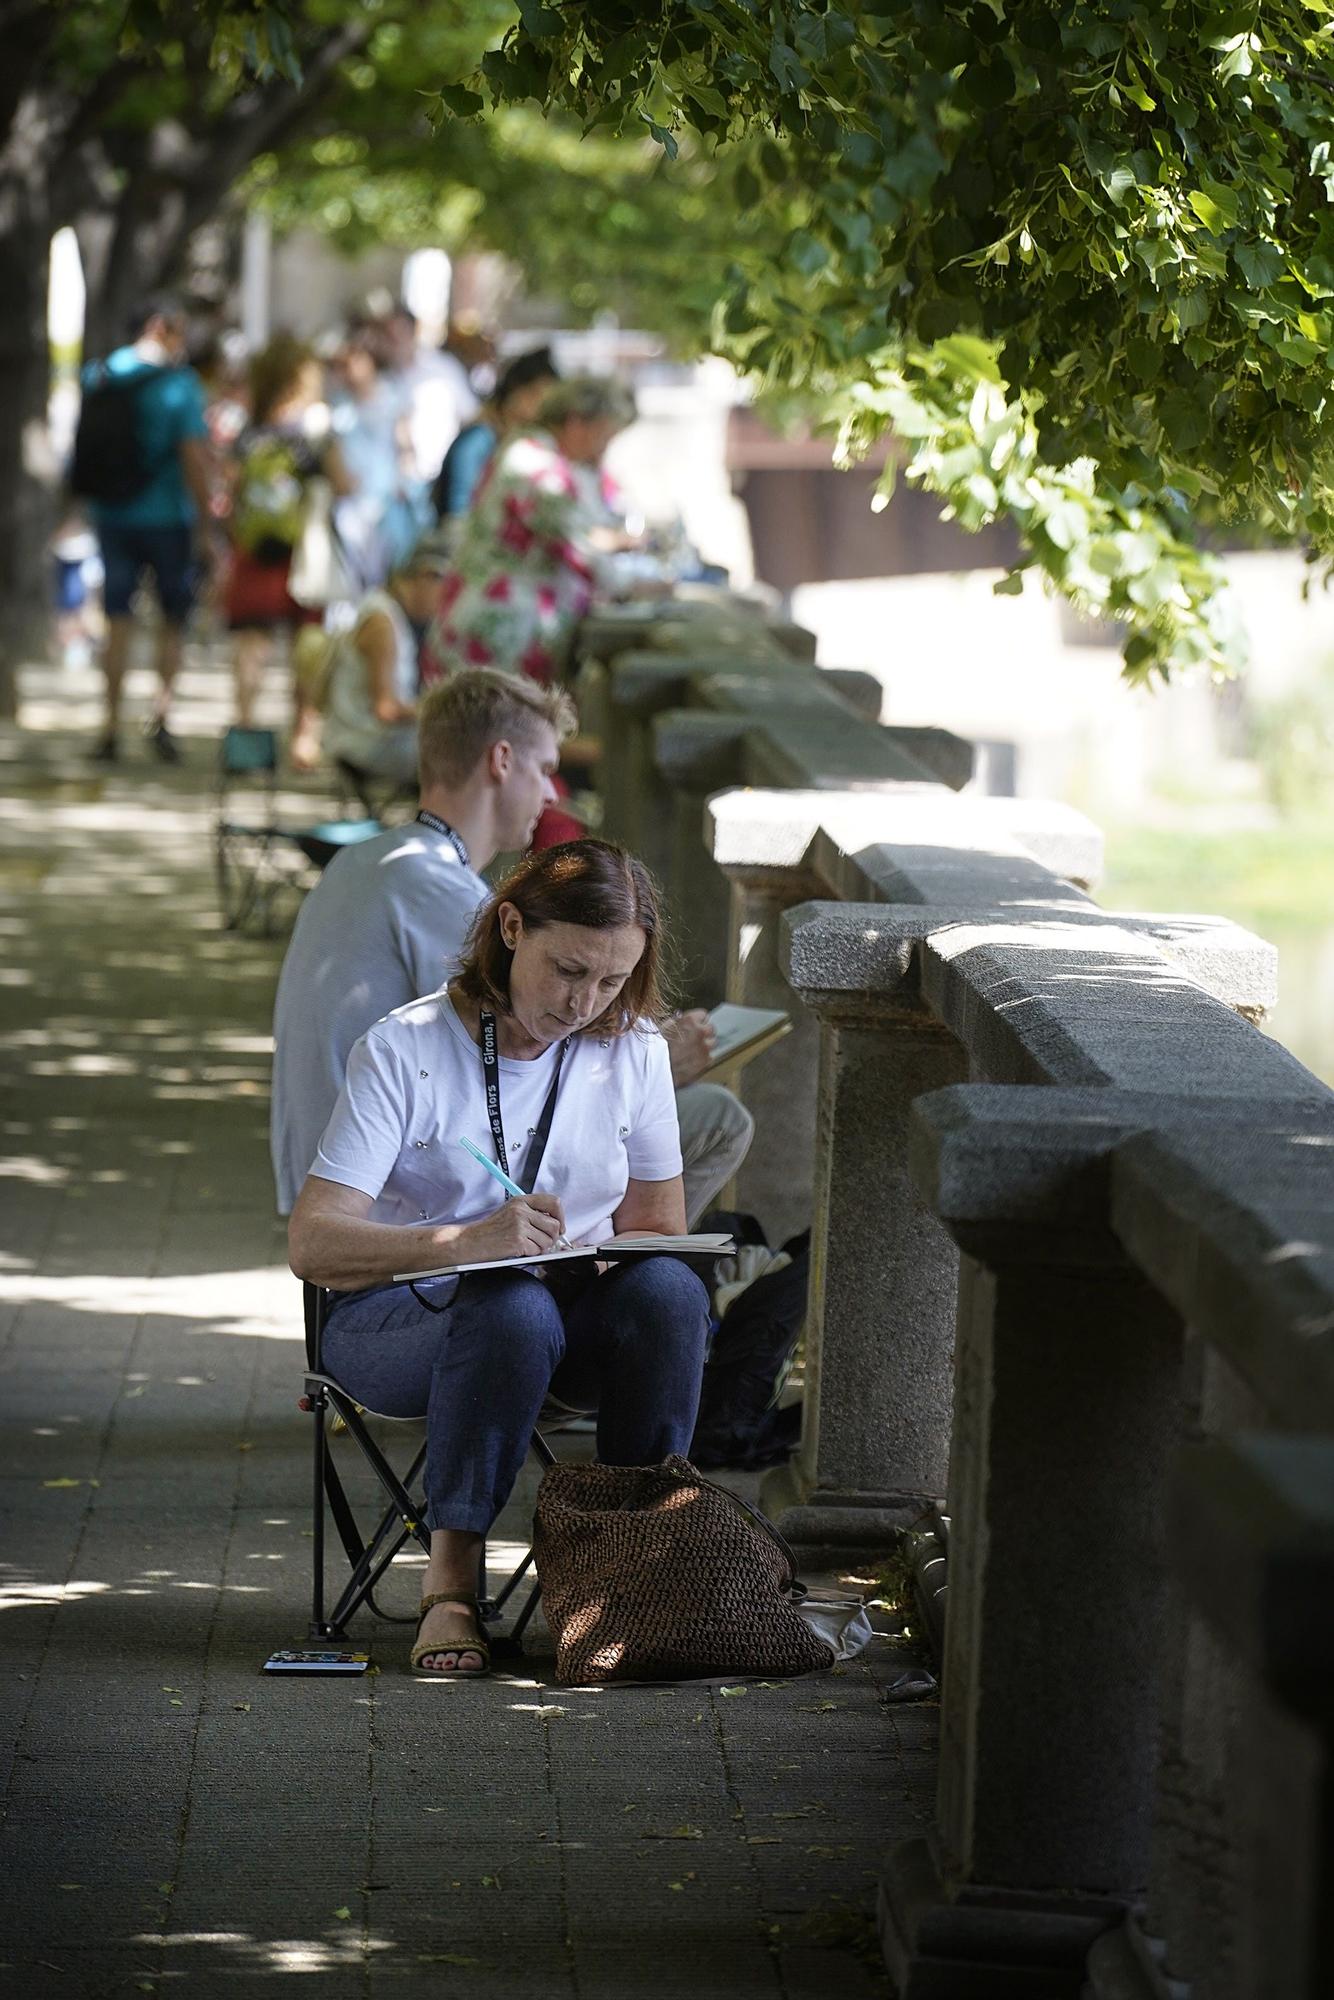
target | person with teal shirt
[{"x": 153, "y": 530}]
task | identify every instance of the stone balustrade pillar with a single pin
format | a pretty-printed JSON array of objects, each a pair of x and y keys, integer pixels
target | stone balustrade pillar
[
  {"x": 1067, "y": 1399},
  {"x": 880, "y": 1318}
]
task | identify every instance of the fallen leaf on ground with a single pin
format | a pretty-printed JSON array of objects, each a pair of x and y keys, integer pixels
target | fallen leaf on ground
[
  {"x": 686, "y": 1832},
  {"x": 732, "y": 1690},
  {"x": 244, "y": 1708},
  {"x": 343, "y": 1912},
  {"x": 490, "y": 1881},
  {"x": 763, "y": 1840},
  {"x": 245, "y": 1447},
  {"x": 53, "y": 1483}
]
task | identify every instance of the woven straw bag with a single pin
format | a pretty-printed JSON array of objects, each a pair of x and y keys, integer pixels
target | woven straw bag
[{"x": 651, "y": 1572}]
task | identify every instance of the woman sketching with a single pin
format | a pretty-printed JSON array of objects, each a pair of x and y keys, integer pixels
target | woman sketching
[{"x": 544, "y": 1053}]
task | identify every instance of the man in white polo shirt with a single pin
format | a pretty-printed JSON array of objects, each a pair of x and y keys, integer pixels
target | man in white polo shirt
[{"x": 388, "y": 920}]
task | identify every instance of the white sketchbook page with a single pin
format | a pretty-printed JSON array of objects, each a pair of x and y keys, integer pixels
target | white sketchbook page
[{"x": 706, "y": 1246}]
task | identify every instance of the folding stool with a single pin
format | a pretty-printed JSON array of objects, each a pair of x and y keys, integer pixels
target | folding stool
[
  {"x": 370, "y": 1554},
  {"x": 254, "y": 861}
]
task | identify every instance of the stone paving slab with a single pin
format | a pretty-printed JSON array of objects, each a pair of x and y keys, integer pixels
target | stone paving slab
[{"x": 172, "y": 1819}]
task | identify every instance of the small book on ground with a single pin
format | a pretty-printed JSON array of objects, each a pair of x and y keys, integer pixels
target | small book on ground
[
  {"x": 616, "y": 1247},
  {"x": 315, "y": 1662},
  {"x": 744, "y": 1032}
]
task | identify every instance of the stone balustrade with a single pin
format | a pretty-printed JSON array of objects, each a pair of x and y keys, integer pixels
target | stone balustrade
[{"x": 1073, "y": 1267}]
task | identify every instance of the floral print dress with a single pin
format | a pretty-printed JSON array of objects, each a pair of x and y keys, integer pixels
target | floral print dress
[{"x": 524, "y": 568}]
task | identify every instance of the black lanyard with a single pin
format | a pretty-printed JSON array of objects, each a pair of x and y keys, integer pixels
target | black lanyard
[
  {"x": 438, "y": 825},
  {"x": 526, "y": 1177}
]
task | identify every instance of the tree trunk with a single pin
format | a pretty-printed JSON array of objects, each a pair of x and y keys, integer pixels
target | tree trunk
[{"x": 28, "y": 490}]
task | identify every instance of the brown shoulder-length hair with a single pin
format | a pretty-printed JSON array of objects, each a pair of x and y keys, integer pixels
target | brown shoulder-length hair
[{"x": 587, "y": 882}]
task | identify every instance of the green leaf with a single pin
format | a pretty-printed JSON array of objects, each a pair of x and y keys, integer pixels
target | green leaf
[
  {"x": 1261, "y": 264},
  {"x": 540, "y": 21},
  {"x": 807, "y": 253},
  {"x": 662, "y": 135},
  {"x": 989, "y": 84},
  {"x": 463, "y": 103},
  {"x": 1215, "y": 205}
]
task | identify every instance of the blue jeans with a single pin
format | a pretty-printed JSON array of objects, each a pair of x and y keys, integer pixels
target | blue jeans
[{"x": 631, "y": 1344}]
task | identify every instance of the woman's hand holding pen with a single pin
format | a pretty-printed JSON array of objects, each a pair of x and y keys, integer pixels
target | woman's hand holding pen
[{"x": 524, "y": 1227}]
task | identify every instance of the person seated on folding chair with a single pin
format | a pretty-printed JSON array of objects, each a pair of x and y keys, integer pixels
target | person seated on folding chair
[
  {"x": 389, "y": 919},
  {"x": 544, "y": 1053},
  {"x": 370, "y": 682}
]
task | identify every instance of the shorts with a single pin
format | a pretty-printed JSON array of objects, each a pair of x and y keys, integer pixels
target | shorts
[
  {"x": 128, "y": 550},
  {"x": 257, "y": 597}
]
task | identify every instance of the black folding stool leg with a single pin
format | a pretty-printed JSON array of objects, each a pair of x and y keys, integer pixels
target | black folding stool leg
[{"x": 369, "y": 1558}]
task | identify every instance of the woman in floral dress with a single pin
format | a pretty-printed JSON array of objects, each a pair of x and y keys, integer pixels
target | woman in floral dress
[{"x": 530, "y": 552}]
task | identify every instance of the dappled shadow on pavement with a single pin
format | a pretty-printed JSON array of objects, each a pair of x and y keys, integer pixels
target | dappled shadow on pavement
[{"x": 176, "y": 1820}]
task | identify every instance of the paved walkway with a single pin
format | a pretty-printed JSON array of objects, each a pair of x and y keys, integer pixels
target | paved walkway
[{"x": 173, "y": 1819}]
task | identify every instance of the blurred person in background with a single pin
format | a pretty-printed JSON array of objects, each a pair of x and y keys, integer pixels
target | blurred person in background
[
  {"x": 529, "y": 554},
  {"x": 513, "y": 404},
  {"x": 143, "y": 462},
  {"x": 435, "y": 385},
  {"x": 370, "y": 412},
  {"x": 283, "y": 450},
  {"x": 370, "y": 696}
]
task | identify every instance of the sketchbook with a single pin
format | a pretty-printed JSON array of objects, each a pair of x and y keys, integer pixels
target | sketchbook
[
  {"x": 616, "y": 1247},
  {"x": 744, "y": 1032}
]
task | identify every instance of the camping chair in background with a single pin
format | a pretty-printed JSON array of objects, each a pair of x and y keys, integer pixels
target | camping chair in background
[
  {"x": 377, "y": 797},
  {"x": 255, "y": 863},
  {"x": 370, "y": 1554}
]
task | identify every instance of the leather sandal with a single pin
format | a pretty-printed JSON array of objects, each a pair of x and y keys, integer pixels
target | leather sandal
[{"x": 458, "y": 1647}]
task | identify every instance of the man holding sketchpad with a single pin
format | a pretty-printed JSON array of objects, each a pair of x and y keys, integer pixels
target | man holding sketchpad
[{"x": 388, "y": 921}]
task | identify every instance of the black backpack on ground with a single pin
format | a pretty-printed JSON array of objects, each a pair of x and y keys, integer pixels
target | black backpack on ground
[
  {"x": 110, "y": 464},
  {"x": 740, "y": 1423}
]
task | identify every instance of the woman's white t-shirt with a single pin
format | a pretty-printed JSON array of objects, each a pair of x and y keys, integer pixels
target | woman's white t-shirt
[
  {"x": 351, "y": 727},
  {"x": 414, "y": 1088}
]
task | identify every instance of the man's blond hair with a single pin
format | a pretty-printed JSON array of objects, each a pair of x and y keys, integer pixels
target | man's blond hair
[{"x": 460, "y": 718}]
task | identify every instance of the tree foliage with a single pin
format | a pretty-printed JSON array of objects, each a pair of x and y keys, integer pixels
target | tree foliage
[{"x": 1078, "y": 257}]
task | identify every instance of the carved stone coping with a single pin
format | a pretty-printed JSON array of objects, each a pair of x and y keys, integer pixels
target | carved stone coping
[
  {"x": 1236, "y": 1228},
  {"x": 1055, "y": 992},
  {"x": 800, "y": 729},
  {"x": 910, "y": 842},
  {"x": 1224, "y": 1200},
  {"x": 1085, "y": 999},
  {"x": 1253, "y": 1541}
]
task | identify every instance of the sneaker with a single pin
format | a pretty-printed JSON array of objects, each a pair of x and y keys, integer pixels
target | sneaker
[
  {"x": 164, "y": 743},
  {"x": 107, "y": 751}
]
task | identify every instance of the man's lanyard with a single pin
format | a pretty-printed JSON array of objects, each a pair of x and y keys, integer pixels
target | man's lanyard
[
  {"x": 526, "y": 1177},
  {"x": 438, "y": 825}
]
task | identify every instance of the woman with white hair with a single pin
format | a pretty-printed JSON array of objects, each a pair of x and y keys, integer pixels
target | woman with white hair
[{"x": 528, "y": 558}]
